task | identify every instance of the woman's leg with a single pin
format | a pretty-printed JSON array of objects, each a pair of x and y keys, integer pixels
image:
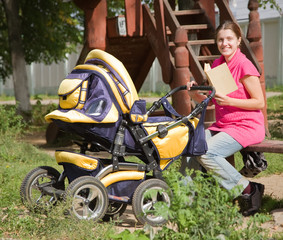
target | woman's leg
[
  {"x": 192, "y": 162},
  {"x": 222, "y": 145}
]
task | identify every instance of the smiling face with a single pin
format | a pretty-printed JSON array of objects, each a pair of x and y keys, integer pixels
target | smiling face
[{"x": 227, "y": 43}]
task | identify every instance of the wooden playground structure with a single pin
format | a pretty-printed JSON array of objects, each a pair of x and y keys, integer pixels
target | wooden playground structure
[{"x": 181, "y": 40}]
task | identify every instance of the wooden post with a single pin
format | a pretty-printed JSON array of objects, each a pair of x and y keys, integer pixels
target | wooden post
[
  {"x": 181, "y": 75},
  {"x": 134, "y": 21},
  {"x": 208, "y": 6},
  {"x": 95, "y": 25},
  {"x": 254, "y": 37}
]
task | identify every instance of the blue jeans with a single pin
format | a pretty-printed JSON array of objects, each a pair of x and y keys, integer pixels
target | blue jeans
[{"x": 220, "y": 145}]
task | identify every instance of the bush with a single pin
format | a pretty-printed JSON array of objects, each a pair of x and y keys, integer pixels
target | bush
[
  {"x": 201, "y": 209},
  {"x": 10, "y": 122}
]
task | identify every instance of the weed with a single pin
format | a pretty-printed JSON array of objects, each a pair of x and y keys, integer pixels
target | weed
[
  {"x": 10, "y": 122},
  {"x": 39, "y": 111}
]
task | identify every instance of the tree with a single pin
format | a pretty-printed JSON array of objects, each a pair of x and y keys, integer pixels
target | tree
[
  {"x": 35, "y": 31},
  {"x": 272, "y": 3}
]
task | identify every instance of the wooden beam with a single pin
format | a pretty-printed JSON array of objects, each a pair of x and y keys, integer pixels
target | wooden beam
[
  {"x": 134, "y": 18},
  {"x": 95, "y": 22},
  {"x": 157, "y": 43},
  {"x": 144, "y": 69},
  {"x": 171, "y": 19}
]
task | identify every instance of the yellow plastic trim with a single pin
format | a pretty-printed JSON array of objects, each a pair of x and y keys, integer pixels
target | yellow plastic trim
[
  {"x": 71, "y": 116},
  {"x": 120, "y": 69},
  {"x": 122, "y": 176},
  {"x": 79, "y": 160},
  {"x": 75, "y": 96},
  {"x": 74, "y": 116},
  {"x": 164, "y": 163},
  {"x": 175, "y": 141},
  {"x": 68, "y": 85},
  {"x": 137, "y": 118}
]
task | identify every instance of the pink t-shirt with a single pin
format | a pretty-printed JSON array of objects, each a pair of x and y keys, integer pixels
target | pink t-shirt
[{"x": 245, "y": 126}]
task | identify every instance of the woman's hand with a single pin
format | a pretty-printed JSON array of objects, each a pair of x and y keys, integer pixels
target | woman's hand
[
  {"x": 190, "y": 84},
  {"x": 253, "y": 87},
  {"x": 194, "y": 94},
  {"x": 222, "y": 99}
]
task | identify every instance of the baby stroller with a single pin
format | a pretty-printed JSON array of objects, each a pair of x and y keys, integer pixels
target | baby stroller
[{"x": 98, "y": 102}]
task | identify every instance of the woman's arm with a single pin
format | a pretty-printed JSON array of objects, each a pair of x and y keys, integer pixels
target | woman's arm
[
  {"x": 252, "y": 85},
  {"x": 194, "y": 94}
]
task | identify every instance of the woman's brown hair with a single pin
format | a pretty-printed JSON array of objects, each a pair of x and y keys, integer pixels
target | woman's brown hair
[{"x": 229, "y": 25}]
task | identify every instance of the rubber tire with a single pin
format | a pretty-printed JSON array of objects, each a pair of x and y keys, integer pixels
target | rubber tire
[
  {"x": 28, "y": 186},
  {"x": 139, "y": 203},
  {"x": 92, "y": 208},
  {"x": 114, "y": 210}
]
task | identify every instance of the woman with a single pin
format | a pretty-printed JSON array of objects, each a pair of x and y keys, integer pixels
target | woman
[{"x": 239, "y": 120}]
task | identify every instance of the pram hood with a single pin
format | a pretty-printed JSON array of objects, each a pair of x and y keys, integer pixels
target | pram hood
[{"x": 97, "y": 91}]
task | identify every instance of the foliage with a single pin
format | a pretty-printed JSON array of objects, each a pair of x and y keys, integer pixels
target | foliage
[
  {"x": 202, "y": 210},
  {"x": 275, "y": 116},
  {"x": 40, "y": 110},
  {"x": 10, "y": 122},
  {"x": 17, "y": 158},
  {"x": 117, "y": 7},
  {"x": 272, "y": 3},
  {"x": 211, "y": 214},
  {"x": 50, "y": 30}
]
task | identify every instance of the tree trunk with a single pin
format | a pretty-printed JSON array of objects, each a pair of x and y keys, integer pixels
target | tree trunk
[{"x": 20, "y": 79}]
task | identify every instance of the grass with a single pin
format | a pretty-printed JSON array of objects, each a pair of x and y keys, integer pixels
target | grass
[{"x": 17, "y": 158}]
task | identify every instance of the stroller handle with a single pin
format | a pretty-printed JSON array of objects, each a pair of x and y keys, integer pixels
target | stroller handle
[
  {"x": 204, "y": 88},
  {"x": 184, "y": 119},
  {"x": 157, "y": 104}
]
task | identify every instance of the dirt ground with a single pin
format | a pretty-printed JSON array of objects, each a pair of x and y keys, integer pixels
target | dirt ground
[{"x": 273, "y": 187}]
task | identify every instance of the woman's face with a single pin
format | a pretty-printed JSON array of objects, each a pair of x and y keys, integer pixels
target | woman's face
[{"x": 227, "y": 43}]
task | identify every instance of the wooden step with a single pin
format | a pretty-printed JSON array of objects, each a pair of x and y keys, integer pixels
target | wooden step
[
  {"x": 208, "y": 58},
  {"x": 195, "y": 26},
  {"x": 202, "y": 42},
  {"x": 190, "y": 27},
  {"x": 196, "y": 42},
  {"x": 188, "y": 12}
]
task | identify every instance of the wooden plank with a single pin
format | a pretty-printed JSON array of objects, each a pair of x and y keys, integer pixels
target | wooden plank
[
  {"x": 158, "y": 45},
  {"x": 270, "y": 146},
  {"x": 188, "y": 12},
  {"x": 171, "y": 20},
  {"x": 202, "y": 42},
  {"x": 195, "y": 27},
  {"x": 195, "y": 67},
  {"x": 145, "y": 67},
  {"x": 208, "y": 57}
]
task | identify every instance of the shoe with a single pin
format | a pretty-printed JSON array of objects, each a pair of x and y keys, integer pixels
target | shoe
[{"x": 251, "y": 203}]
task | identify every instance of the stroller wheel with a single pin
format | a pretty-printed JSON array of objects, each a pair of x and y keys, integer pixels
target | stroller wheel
[
  {"x": 87, "y": 197},
  {"x": 40, "y": 188},
  {"x": 114, "y": 210},
  {"x": 145, "y": 198}
]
